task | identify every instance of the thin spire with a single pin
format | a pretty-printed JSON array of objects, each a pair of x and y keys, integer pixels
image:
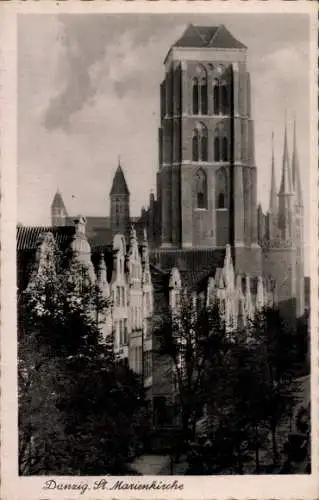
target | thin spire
[
  {"x": 296, "y": 183},
  {"x": 286, "y": 185},
  {"x": 273, "y": 186},
  {"x": 119, "y": 160}
]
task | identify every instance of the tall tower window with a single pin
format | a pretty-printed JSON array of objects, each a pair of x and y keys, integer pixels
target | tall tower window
[
  {"x": 195, "y": 145},
  {"x": 221, "y": 188},
  {"x": 203, "y": 96},
  {"x": 225, "y": 149},
  {"x": 220, "y": 93},
  {"x": 200, "y": 92},
  {"x": 216, "y": 98},
  {"x": 224, "y": 99},
  {"x": 203, "y": 144},
  {"x": 221, "y": 200},
  {"x": 201, "y": 189},
  {"x": 195, "y": 96},
  {"x": 216, "y": 149},
  {"x": 220, "y": 148},
  {"x": 200, "y": 143}
]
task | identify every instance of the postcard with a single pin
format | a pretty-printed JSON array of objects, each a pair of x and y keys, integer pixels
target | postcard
[{"x": 159, "y": 250}]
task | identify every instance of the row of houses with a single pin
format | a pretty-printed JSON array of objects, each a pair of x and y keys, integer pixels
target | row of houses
[{"x": 139, "y": 291}]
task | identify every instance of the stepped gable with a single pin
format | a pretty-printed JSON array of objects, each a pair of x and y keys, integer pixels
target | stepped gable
[{"x": 208, "y": 36}]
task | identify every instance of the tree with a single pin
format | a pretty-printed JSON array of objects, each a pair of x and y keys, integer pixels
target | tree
[
  {"x": 190, "y": 338},
  {"x": 80, "y": 409},
  {"x": 274, "y": 356}
]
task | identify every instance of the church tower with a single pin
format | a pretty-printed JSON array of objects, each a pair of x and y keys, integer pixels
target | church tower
[
  {"x": 279, "y": 247},
  {"x": 299, "y": 227},
  {"x": 59, "y": 213},
  {"x": 207, "y": 180},
  {"x": 120, "y": 204}
]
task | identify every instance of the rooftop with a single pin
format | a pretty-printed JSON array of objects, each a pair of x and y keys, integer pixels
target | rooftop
[
  {"x": 208, "y": 36},
  {"x": 119, "y": 185}
]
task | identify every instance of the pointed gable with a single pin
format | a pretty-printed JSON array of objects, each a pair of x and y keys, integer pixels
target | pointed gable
[
  {"x": 223, "y": 39},
  {"x": 119, "y": 185},
  {"x": 192, "y": 38},
  {"x": 208, "y": 36}
]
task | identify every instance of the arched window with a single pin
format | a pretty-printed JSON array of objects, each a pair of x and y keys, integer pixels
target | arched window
[
  {"x": 195, "y": 145},
  {"x": 201, "y": 189},
  {"x": 216, "y": 149},
  {"x": 204, "y": 145},
  {"x": 203, "y": 96},
  {"x": 225, "y": 149},
  {"x": 199, "y": 143},
  {"x": 224, "y": 99},
  {"x": 216, "y": 98},
  {"x": 221, "y": 188},
  {"x": 195, "y": 96},
  {"x": 221, "y": 200}
]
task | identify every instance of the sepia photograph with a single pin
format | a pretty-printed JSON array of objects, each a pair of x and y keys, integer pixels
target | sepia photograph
[{"x": 163, "y": 245}]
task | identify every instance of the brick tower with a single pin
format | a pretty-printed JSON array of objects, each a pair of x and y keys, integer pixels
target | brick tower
[
  {"x": 120, "y": 204},
  {"x": 207, "y": 179}
]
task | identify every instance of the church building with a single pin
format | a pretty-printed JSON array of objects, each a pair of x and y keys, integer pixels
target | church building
[{"x": 203, "y": 229}]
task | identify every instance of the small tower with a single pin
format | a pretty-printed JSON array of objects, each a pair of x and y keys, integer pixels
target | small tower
[
  {"x": 59, "y": 213},
  {"x": 286, "y": 196},
  {"x": 120, "y": 204},
  {"x": 273, "y": 200},
  {"x": 280, "y": 251}
]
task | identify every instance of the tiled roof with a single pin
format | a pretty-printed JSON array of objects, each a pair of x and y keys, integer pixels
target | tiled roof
[
  {"x": 27, "y": 236},
  {"x": 119, "y": 185},
  {"x": 197, "y": 260},
  {"x": 101, "y": 240},
  {"x": 208, "y": 36}
]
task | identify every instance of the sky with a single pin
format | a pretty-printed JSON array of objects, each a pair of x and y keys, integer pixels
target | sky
[{"x": 88, "y": 91}]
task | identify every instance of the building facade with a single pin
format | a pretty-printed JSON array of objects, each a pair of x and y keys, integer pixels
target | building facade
[
  {"x": 202, "y": 230},
  {"x": 207, "y": 177}
]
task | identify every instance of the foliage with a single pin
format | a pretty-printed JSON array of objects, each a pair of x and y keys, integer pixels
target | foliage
[
  {"x": 243, "y": 379},
  {"x": 79, "y": 408},
  {"x": 191, "y": 338}
]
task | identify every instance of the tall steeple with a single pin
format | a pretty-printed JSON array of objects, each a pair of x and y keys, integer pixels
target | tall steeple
[
  {"x": 286, "y": 183},
  {"x": 296, "y": 182},
  {"x": 273, "y": 187},
  {"x": 285, "y": 212}
]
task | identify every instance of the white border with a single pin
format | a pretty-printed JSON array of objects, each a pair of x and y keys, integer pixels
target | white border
[{"x": 221, "y": 487}]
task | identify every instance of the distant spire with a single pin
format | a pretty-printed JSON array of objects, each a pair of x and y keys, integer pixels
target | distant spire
[
  {"x": 296, "y": 183},
  {"x": 119, "y": 160},
  {"x": 119, "y": 185},
  {"x": 273, "y": 186},
  {"x": 286, "y": 184}
]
